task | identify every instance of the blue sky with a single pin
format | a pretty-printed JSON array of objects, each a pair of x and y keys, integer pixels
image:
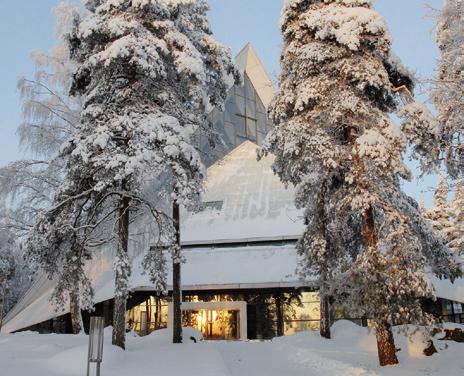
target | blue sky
[{"x": 26, "y": 25}]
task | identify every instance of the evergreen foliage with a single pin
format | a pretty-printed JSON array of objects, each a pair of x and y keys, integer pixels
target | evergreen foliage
[
  {"x": 148, "y": 73},
  {"x": 456, "y": 231},
  {"x": 447, "y": 96},
  {"x": 335, "y": 142}
]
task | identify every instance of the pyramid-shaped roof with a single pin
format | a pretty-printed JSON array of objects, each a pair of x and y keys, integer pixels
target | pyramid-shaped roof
[
  {"x": 244, "y": 200},
  {"x": 248, "y": 62}
]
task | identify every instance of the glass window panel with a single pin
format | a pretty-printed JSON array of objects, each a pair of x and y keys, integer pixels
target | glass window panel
[
  {"x": 261, "y": 138},
  {"x": 240, "y": 140},
  {"x": 447, "y": 307},
  {"x": 307, "y": 311},
  {"x": 230, "y": 113},
  {"x": 214, "y": 324},
  {"x": 259, "y": 105},
  {"x": 249, "y": 89},
  {"x": 217, "y": 115},
  {"x": 252, "y": 131},
  {"x": 240, "y": 125},
  {"x": 251, "y": 108},
  {"x": 240, "y": 90},
  {"x": 218, "y": 125},
  {"x": 457, "y": 308},
  {"x": 310, "y": 297},
  {"x": 262, "y": 122},
  {"x": 292, "y": 327},
  {"x": 240, "y": 105},
  {"x": 231, "y": 107},
  {"x": 229, "y": 134}
]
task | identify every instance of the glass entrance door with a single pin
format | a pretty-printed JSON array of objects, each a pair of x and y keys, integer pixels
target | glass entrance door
[{"x": 214, "y": 324}]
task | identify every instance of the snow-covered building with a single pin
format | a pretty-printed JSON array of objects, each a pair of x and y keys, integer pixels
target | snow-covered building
[{"x": 239, "y": 280}]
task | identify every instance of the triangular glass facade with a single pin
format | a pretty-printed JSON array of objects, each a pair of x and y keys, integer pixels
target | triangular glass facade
[{"x": 244, "y": 118}]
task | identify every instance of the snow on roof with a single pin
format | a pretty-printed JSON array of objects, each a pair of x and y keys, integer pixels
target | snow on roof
[
  {"x": 248, "y": 61},
  {"x": 205, "y": 268},
  {"x": 209, "y": 268},
  {"x": 447, "y": 290},
  {"x": 243, "y": 200}
]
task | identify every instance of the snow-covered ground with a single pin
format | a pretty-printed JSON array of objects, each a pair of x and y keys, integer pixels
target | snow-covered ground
[{"x": 352, "y": 352}]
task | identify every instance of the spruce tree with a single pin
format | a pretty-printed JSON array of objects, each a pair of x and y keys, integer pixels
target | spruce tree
[
  {"x": 149, "y": 73},
  {"x": 455, "y": 232},
  {"x": 447, "y": 95},
  {"x": 334, "y": 140},
  {"x": 439, "y": 215}
]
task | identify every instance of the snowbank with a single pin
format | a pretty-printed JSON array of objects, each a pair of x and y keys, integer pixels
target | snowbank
[{"x": 351, "y": 352}]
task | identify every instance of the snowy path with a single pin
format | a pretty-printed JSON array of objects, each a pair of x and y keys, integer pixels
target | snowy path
[{"x": 254, "y": 358}]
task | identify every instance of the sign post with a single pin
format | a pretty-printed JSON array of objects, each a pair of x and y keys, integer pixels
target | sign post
[{"x": 97, "y": 326}]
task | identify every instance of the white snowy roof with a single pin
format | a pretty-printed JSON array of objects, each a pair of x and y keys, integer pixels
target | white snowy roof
[
  {"x": 248, "y": 61},
  {"x": 205, "y": 268},
  {"x": 248, "y": 202},
  {"x": 254, "y": 206}
]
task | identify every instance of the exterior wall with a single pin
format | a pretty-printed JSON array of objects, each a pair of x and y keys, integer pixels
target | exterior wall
[{"x": 269, "y": 312}]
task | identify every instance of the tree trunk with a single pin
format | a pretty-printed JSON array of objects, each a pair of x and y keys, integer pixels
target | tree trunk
[
  {"x": 324, "y": 325},
  {"x": 176, "y": 283},
  {"x": 385, "y": 342},
  {"x": 325, "y": 317},
  {"x": 280, "y": 315},
  {"x": 386, "y": 348},
  {"x": 386, "y": 345},
  {"x": 157, "y": 313},
  {"x": 119, "y": 314},
  {"x": 75, "y": 310}
]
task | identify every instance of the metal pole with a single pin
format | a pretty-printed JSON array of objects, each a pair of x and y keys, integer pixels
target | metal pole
[{"x": 90, "y": 348}]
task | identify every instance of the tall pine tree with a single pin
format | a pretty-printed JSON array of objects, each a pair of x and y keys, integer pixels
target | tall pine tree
[
  {"x": 456, "y": 229},
  {"x": 439, "y": 214},
  {"x": 335, "y": 142},
  {"x": 447, "y": 96},
  {"x": 149, "y": 73}
]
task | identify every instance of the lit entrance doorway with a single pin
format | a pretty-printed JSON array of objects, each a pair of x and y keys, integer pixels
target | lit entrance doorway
[{"x": 215, "y": 320}]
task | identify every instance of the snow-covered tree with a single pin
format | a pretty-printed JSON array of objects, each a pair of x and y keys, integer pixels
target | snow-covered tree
[
  {"x": 334, "y": 140},
  {"x": 439, "y": 214},
  {"x": 7, "y": 268},
  {"x": 49, "y": 118},
  {"x": 15, "y": 276},
  {"x": 149, "y": 72},
  {"x": 422, "y": 131},
  {"x": 455, "y": 230},
  {"x": 57, "y": 246},
  {"x": 155, "y": 264},
  {"x": 448, "y": 93},
  {"x": 28, "y": 186}
]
